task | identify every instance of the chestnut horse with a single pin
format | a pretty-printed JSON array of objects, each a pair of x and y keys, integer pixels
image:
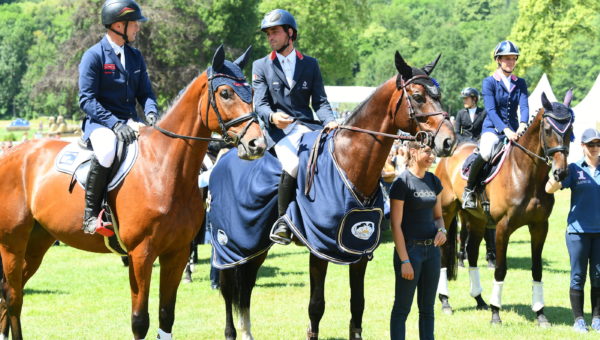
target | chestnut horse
[
  {"x": 158, "y": 205},
  {"x": 516, "y": 196},
  {"x": 408, "y": 101}
]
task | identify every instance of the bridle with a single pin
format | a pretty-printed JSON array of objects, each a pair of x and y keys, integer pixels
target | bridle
[
  {"x": 548, "y": 152},
  {"x": 228, "y": 137},
  {"x": 422, "y": 136}
]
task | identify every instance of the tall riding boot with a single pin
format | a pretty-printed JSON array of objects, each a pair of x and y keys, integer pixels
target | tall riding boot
[
  {"x": 287, "y": 188},
  {"x": 469, "y": 199},
  {"x": 490, "y": 245},
  {"x": 94, "y": 191}
]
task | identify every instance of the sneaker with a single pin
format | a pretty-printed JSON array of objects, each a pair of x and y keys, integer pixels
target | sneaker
[
  {"x": 580, "y": 326},
  {"x": 596, "y": 324}
]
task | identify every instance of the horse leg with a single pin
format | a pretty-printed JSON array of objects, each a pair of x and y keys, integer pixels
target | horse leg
[
  {"x": 357, "y": 297},
  {"x": 538, "y": 232},
  {"x": 502, "y": 236},
  {"x": 140, "y": 272},
  {"x": 464, "y": 236},
  {"x": 316, "y": 306},
  {"x": 476, "y": 231},
  {"x": 228, "y": 286},
  {"x": 171, "y": 268},
  {"x": 448, "y": 263}
]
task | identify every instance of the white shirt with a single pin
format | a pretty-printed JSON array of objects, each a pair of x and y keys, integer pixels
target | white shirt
[
  {"x": 288, "y": 64},
  {"x": 472, "y": 114},
  {"x": 506, "y": 81},
  {"x": 119, "y": 51}
]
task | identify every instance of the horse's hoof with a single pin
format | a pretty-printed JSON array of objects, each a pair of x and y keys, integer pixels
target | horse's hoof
[
  {"x": 310, "y": 335},
  {"x": 496, "y": 320},
  {"x": 543, "y": 322},
  {"x": 461, "y": 263},
  {"x": 491, "y": 264},
  {"x": 447, "y": 310},
  {"x": 187, "y": 280},
  {"x": 355, "y": 332}
]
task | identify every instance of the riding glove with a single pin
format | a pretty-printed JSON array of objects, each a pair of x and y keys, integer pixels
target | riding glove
[
  {"x": 124, "y": 133},
  {"x": 151, "y": 118}
]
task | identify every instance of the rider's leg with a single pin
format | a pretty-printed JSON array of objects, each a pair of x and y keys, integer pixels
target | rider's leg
[
  {"x": 486, "y": 145},
  {"x": 104, "y": 144},
  {"x": 287, "y": 152}
]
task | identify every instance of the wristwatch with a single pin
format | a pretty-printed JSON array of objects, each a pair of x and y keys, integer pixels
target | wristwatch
[{"x": 442, "y": 230}]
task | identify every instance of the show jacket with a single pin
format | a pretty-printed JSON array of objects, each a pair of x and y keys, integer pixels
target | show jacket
[
  {"x": 466, "y": 128},
  {"x": 108, "y": 92},
  {"x": 501, "y": 103},
  {"x": 272, "y": 93}
]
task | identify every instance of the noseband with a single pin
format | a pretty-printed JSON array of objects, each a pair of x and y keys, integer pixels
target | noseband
[{"x": 229, "y": 138}]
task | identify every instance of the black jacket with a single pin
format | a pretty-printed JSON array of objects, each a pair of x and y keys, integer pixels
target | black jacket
[{"x": 466, "y": 128}]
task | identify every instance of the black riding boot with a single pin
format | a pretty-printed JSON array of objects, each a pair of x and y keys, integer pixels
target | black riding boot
[
  {"x": 94, "y": 191},
  {"x": 287, "y": 188},
  {"x": 490, "y": 245},
  {"x": 469, "y": 198}
]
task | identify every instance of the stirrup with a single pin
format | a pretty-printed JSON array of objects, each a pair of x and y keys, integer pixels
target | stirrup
[
  {"x": 102, "y": 227},
  {"x": 277, "y": 235}
]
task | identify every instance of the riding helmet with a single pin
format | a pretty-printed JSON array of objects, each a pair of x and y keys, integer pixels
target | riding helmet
[
  {"x": 121, "y": 10},
  {"x": 506, "y": 47},
  {"x": 469, "y": 92},
  {"x": 279, "y": 17}
]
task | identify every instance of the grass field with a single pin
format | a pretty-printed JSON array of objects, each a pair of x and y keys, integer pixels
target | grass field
[{"x": 79, "y": 295}]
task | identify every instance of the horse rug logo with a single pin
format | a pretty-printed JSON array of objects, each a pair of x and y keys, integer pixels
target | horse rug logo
[
  {"x": 363, "y": 230},
  {"x": 222, "y": 237}
]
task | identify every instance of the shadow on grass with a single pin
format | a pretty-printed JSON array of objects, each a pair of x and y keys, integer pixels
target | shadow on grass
[
  {"x": 268, "y": 271},
  {"x": 525, "y": 264},
  {"x": 556, "y": 315},
  {"x": 29, "y": 291},
  {"x": 280, "y": 284}
]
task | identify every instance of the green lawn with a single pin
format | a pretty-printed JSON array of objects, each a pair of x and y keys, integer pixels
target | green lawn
[{"x": 78, "y": 295}]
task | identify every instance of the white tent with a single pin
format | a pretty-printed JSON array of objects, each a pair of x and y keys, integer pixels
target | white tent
[
  {"x": 587, "y": 115},
  {"x": 535, "y": 97},
  {"x": 348, "y": 94}
]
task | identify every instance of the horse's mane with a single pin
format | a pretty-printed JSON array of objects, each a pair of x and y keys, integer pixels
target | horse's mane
[
  {"x": 177, "y": 98},
  {"x": 360, "y": 108}
]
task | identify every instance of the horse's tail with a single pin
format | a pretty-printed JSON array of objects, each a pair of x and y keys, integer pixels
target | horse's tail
[
  {"x": 449, "y": 250},
  {"x": 237, "y": 283}
]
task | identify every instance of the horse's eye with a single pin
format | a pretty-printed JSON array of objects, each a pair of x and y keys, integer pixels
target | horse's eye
[
  {"x": 224, "y": 94},
  {"x": 418, "y": 98}
]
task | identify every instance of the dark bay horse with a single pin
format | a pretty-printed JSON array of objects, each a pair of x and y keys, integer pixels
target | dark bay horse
[
  {"x": 517, "y": 197},
  {"x": 158, "y": 205},
  {"x": 408, "y": 101}
]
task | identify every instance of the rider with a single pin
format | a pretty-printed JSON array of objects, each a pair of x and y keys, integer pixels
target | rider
[
  {"x": 285, "y": 82},
  {"x": 469, "y": 120},
  {"x": 112, "y": 76},
  {"x": 502, "y": 94}
]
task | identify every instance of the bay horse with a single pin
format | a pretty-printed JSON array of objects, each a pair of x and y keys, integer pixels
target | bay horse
[
  {"x": 409, "y": 101},
  {"x": 516, "y": 197},
  {"x": 158, "y": 205}
]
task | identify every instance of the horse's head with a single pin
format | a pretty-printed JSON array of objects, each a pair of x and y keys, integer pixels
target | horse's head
[
  {"x": 556, "y": 131},
  {"x": 422, "y": 106},
  {"x": 230, "y": 105}
]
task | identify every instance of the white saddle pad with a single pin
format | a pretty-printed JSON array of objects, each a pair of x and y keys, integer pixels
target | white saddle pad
[{"x": 69, "y": 160}]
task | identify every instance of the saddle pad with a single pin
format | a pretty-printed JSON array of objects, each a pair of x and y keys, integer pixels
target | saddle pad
[
  {"x": 490, "y": 169},
  {"x": 72, "y": 157},
  {"x": 242, "y": 207},
  {"x": 331, "y": 221}
]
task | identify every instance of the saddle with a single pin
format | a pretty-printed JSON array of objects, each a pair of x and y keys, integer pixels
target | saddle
[
  {"x": 74, "y": 159},
  {"x": 489, "y": 170}
]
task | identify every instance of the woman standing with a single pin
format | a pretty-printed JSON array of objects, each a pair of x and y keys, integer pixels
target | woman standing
[
  {"x": 418, "y": 231},
  {"x": 583, "y": 229}
]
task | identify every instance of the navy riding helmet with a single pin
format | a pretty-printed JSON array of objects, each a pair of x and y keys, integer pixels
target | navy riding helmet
[
  {"x": 279, "y": 17},
  {"x": 506, "y": 47},
  {"x": 469, "y": 92}
]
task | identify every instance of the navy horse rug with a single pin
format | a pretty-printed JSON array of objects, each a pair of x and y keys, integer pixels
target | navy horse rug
[
  {"x": 330, "y": 219},
  {"x": 243, "y": 201}
]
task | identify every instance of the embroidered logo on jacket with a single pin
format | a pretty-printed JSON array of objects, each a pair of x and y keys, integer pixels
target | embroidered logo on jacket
[{"x": 110, "y": 67}]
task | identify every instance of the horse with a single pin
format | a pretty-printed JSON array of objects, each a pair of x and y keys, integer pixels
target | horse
[
  {"x": 410, "y": 101},
  {"x": 158, "y": 205},
  {"x": 516, "y": 197}
]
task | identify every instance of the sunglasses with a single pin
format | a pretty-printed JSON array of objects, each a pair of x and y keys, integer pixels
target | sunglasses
[{"x": 591, "y": 145}]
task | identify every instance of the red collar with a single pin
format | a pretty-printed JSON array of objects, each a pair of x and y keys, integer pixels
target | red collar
[{"x": 274, "y": 55}]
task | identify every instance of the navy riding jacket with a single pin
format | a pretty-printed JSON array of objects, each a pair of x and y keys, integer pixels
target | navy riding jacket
[
  {"x": 272, "y": 93},
  {"x": 501, "y": 103},
  {"x": 108, "y": 92}
]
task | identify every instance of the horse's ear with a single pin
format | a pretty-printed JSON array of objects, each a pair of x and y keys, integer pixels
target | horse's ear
[
  {"x": 429, "y": 68},
  {"x": 546, "y": 103},
  {"x": 218, "y": 58},
  {"x": 402, "y": 67},
  {"x": 568, "y": 97},
  {"x": 243, "y": 59}
]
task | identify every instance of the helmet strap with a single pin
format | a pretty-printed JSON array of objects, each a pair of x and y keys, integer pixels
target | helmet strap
[
  {"x": 285, "y": 46},
  {"x": 122, "y": 35}
]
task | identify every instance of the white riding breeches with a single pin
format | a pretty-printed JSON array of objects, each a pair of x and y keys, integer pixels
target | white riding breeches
[
  {"x": 287, "y": 148},
  {"x": 487, "y": 142},
  {"x": 104, "y": 143}
]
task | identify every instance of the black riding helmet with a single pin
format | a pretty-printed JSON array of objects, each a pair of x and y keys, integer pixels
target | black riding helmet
[
  {"x": 280, "y": 17},
  {"x": 469, "y": 92},
  {"x": 121, "y": 10}
]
